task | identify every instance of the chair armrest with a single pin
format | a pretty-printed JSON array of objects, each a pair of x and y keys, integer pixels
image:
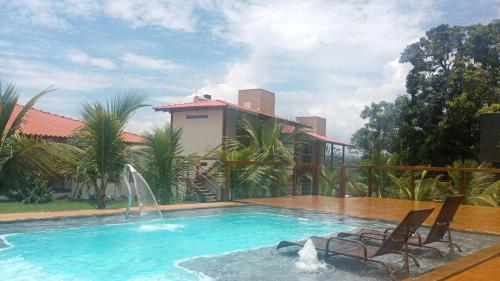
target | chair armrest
[
  {"x": 365, "y": 235},
  {"x": 365, "y": 251},
  {"x": 388, "y": 229}
]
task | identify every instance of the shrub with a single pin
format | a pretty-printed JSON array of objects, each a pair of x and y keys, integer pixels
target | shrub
[{"x": 34, "y": 190}]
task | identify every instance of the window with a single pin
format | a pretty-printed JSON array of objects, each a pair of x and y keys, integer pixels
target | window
[{"x": 196, "y": 116}]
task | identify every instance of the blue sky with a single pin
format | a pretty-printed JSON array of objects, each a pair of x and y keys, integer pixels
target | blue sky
[{"x": 327, "y": 58}]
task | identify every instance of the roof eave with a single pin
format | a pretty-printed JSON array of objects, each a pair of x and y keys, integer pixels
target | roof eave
[{"x": 170, "y": 110}]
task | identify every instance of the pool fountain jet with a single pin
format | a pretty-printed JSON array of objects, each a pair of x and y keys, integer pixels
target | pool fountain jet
[
  {"x": 139, "y": 189},
  {"x": 308, "y": 258}
]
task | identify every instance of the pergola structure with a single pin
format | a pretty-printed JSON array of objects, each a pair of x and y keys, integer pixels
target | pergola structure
[{"x": 320, "y": 151}]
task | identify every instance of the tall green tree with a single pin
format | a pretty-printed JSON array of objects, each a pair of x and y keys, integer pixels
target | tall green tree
[
  {"x": 22, "y": 156},
  {"x": 162, "y": 165},
  {"x": 100, "y": 137},
  {"x": 454, "y": 75}
]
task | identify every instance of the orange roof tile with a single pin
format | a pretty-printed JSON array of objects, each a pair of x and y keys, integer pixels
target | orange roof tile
[
  {"x": 46, "y": 124},
  {"x": 327, "y": 139},
  {"x": 194, "y": 104},
  {"x": 213, "y": 104}
]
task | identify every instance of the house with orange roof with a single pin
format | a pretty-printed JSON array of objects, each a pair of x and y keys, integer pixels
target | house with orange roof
[
  {"x": 54, "y": 127},
  {"x": 205, "y": 123}
]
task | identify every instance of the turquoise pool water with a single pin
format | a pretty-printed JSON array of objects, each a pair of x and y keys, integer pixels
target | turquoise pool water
[{"x": 147, "y": 250}]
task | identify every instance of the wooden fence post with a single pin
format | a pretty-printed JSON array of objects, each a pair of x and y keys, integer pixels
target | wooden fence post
[
  {"x": 341, "y": 193},
  {"x": 412, "y": 184},
  {"x": 462, "y": 182}
]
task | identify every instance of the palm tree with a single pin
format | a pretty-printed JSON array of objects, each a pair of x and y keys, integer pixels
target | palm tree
[
  {"x": 101, "y": 139},
  {"x": 265, "y": 141},
  {"x": 480, "y": 188},
  {"x": 22, "y": 155},
  {"x": 163, "y": 168},
  {"x": 358, "y": 183},
  {"x": 329, "y": 181},
  {"x": 424, "y": 186}
]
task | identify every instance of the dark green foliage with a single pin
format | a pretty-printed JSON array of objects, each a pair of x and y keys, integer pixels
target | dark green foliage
[
  {"x": 264, "y": 140},
  {"x": 100, "y": 138},
  {"x": 455, "y": 77},
  {"x": 21, "y": 155},
  {"x": 161, "y": 164},
  {"x": 34, "y": 189}
]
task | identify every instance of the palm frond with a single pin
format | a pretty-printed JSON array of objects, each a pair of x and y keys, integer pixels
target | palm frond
[
  {"x": 124, "y": 106},
  {"x": 26, "y": 155},
  {"x": 9, "y": 97},
  {"x": 161, "y": 164}
]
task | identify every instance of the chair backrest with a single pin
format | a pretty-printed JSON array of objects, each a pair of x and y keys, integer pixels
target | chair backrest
[
  {"x": 403, "y": 231},
  {"x": 444, "y": 219}
]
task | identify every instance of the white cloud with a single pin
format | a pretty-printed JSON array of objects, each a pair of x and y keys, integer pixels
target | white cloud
[
  {"x": 39, "y": 76},
  {"x": 147, "y": 119},
  {"x": 175, "y": 15},
  {"x": 339, "y": 55},
  {"x": 238, "y": 77},
  {"x": 148, "y": 62},
  {"x": 80, "y": 57},
  {"x": 53, "y": 14}
]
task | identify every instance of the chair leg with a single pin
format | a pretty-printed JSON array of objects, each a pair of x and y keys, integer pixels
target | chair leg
[
  {"x": 387, "y": 268},
  {"x": 452, "y": 245},
  {"x": 414, "y": 259},
  {"x": 435, "y": 250}
]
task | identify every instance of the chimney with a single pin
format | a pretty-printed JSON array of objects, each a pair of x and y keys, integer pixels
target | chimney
[
  {"x": 257, "y": 99},
  {"x": 208, "y": 97},
  {"x": 317, "y": 124}
]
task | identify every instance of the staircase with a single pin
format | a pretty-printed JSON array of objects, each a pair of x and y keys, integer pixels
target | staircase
[
  {"x": 203, "y": 192},
  {"x": 205, "y": 177}
]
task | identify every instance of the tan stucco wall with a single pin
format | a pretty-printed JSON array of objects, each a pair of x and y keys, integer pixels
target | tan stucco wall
[
  {"x": 317, "y": 123},
  {"x": 257, "y": 99},
  {"x": 199, "y": 135}
]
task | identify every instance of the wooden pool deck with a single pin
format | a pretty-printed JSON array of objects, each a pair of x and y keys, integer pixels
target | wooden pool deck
[{"x": 483, "y": 265}]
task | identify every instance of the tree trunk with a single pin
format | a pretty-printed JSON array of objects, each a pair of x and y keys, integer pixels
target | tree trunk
[{"x": 101, "y": 204}]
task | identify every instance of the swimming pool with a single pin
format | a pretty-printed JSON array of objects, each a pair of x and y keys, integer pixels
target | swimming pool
[
  {"x": 236, "y": 243},
  {"x": 145, "y": 250}
]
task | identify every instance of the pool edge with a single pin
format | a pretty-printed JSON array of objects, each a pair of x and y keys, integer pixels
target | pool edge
[
  {"x": 461, "y": 265},
  {"x": 30, "y": 216}
]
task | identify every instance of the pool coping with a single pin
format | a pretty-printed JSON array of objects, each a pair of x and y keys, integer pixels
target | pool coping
[
  {"x": 442, "y": 272},
  {"x": 29, "y": 216},
  {"x": 461, "y": 265}
]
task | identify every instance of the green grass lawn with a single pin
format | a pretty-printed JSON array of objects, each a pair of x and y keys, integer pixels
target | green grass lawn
[{"x": 7, "y": 207}]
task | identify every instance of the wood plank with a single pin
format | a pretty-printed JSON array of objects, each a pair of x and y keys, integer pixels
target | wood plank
[
  {"x": 96, "y": 212},
  {"x": 469, "y": 218},
  {"x": 482, "y": 265}
]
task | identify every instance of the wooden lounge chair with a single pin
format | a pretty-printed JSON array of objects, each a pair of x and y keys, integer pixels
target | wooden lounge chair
[
  {"x": 394, "y": 243},
  {"x": 437, "y": 232}
]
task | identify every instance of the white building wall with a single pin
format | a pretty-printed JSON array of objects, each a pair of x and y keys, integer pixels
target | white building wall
[{"x": 199, "y": 134}]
